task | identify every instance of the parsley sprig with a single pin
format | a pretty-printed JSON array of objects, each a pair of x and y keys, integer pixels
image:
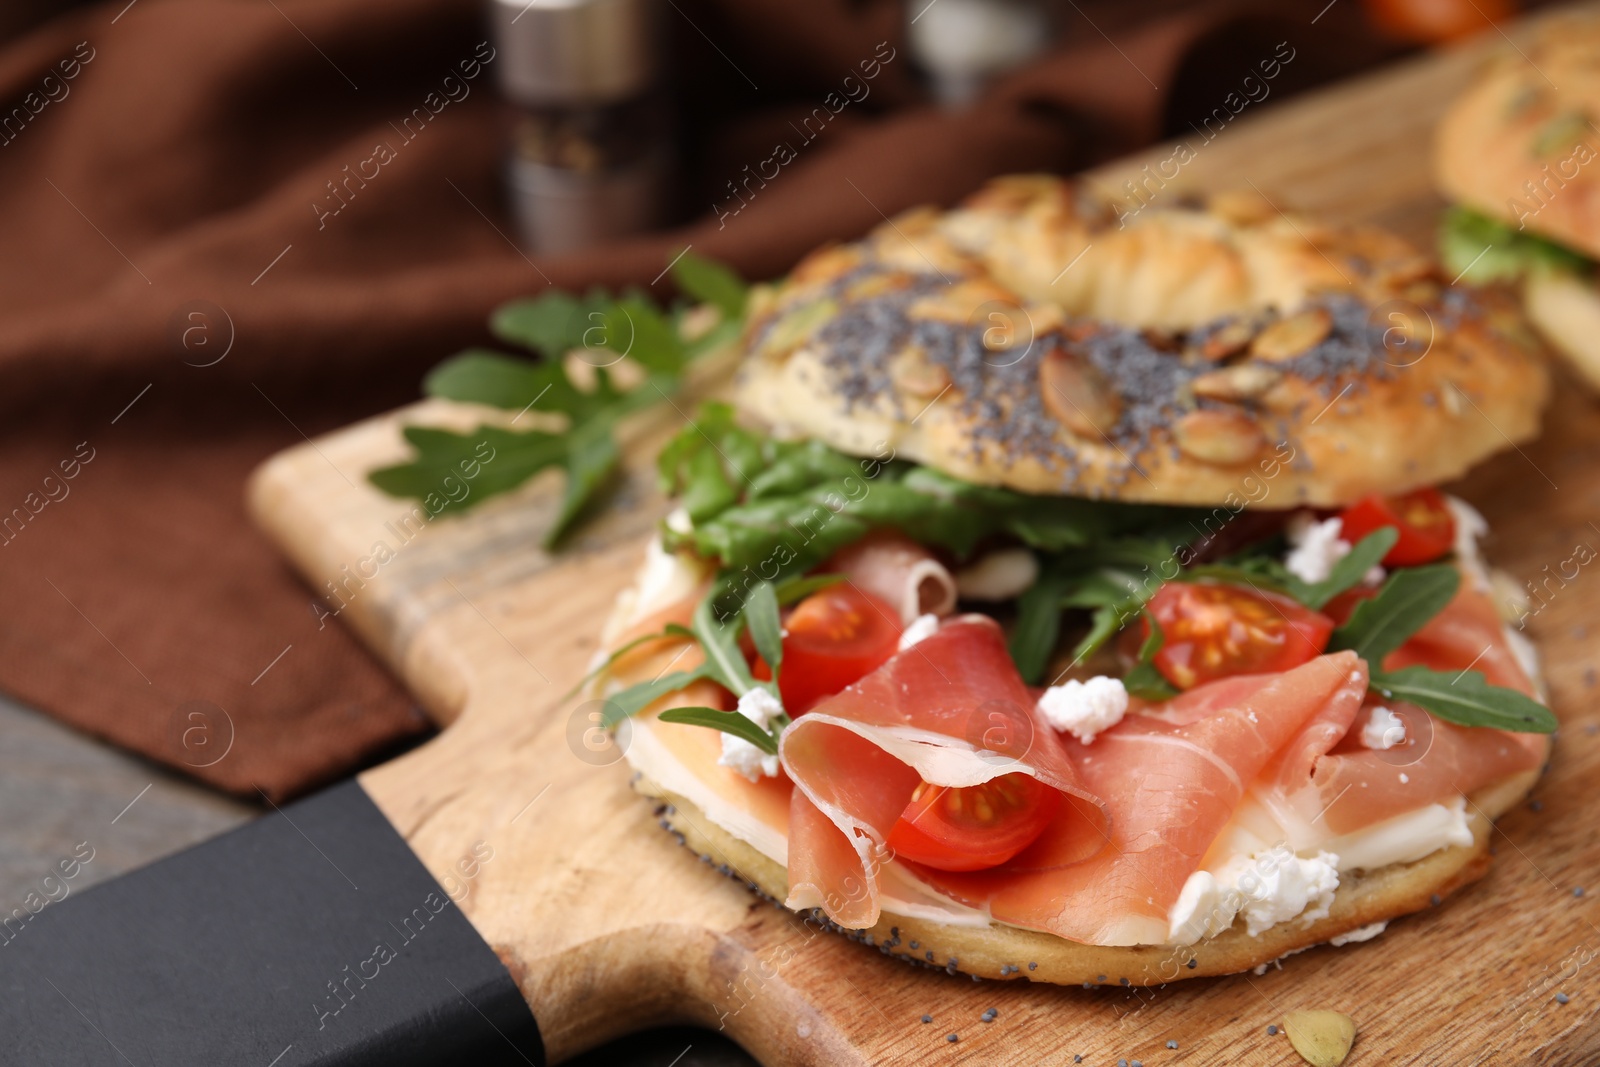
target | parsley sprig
[{"x": 607, "y": 330}]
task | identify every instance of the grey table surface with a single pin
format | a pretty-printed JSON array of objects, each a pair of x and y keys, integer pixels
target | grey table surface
[{"x": 60, "y": 789}]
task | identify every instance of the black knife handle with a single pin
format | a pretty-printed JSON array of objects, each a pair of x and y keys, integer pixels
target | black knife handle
[{"x": 311, "y": 936}]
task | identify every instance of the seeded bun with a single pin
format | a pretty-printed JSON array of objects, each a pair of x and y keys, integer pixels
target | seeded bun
[
  {"x": 999, "y": 951},
  {"x": 1518, "y": 149},
  {"x": 1215, "y": 355},
  {"x": 1514, "y": 126}
]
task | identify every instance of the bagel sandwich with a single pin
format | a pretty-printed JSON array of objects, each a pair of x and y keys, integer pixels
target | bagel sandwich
[
  {"x": 1516, "y": 156},
  {"x": 1070, "y": 601}
]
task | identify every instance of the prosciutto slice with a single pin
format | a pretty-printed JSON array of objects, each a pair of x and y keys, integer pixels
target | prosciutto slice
[
  {"x": 1172, "y": 775},
  {"x": 890, "y": 565},
  {"x": 1326, "y": 780},
  {"x": 951, "y": 710}
]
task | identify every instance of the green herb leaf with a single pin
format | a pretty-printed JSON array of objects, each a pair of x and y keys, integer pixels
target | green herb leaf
[
  {"x": 795, "y": 589},
  {"x": 552, "y": 324},
  {"x": 1038, "y": 625},
  {"x": 761, "y": 615},
  {"x": 611, "y": 659},
  {"x": 1144, "y": 680},
  {"x": 1466, "y": 699},
  {"x": 729, "y": 722},
  {"x": 717, "y": 626},
  {"x": 1116, "y": 594},
  {"x": 707, "y": 490},
  {"x": 1481, "y": 250},
  {"x": 611, "y": 329},
  {"x": 635, "y": 698},
  {"x": 1407, "y": 600},
  {"x": 711, "y": 283},
  {"x": 454, "y": 471},
  {"x": 807, "y": 501},
  {"x": 1349, "y": 571}
]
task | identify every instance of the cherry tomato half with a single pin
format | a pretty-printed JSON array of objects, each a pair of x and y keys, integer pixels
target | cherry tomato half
[
  {"x": 833, "y": 637},
  {"x": 974, "y": 827},
  {"x": 1427, "y": 526},
  {"x": 1213, "y": 630}
]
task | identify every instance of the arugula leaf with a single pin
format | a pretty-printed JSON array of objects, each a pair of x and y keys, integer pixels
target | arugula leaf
[
  {"x": 711, "y": 283},
  {"x": 761, "y": 616},
  {"x": 612, "y": 328},
  {"x": 1407, "y": 600},
  {"x": 552, "y": 324},
  {"x": 1466, "y": 699},
  {"x": 1349, "y": 571},
  {"x": 479, "y": 376},
  {"x": 635, "y": 698},
  {"x": 610, "y": 661},
  {"x": 707, "y": 490},
  {"x": 1481, "y": 250},
  {"x": 718, "y": 634},
  {"x": 808, "y": 501},
  {"x": 718, "y": 637},
  {"x": 799, "y": 588},
  {"x": 1038, "y": 624},
  {"x": 1144, "y": 680},
  {"x": 729, "y": 722}
]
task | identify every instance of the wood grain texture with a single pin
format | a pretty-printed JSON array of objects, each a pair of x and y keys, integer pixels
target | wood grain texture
[{"x": 608, "y": 925}]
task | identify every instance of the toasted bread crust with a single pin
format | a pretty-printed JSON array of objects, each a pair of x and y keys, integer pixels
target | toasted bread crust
[
  {"x": 1190, "y": 356},
  {"x": 1006, "y": 952},
  {"x": 1521, "y": 145}
]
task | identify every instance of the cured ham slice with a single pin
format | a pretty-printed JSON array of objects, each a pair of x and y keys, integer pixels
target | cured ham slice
[
  {"x": 951, "y": 711},
  {"x": 890, "y": 565},
  {"x": 1467, "y": 633},
  {"x": 1327, "y": 781},
  {"x": 1171, "y": 777}
]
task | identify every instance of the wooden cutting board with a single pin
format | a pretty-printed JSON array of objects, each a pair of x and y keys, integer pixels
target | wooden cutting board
[{"x": 608, "y": 925}]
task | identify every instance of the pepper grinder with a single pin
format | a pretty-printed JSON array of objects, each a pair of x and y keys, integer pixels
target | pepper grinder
[{"x": 591, "y": 149}]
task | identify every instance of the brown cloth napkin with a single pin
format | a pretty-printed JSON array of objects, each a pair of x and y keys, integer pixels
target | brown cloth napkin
[{"x": 173, "y": 310}]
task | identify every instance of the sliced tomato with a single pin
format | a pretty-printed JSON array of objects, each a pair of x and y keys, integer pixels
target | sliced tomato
[
  {"x": 1214, "y": 630},
  {"x": 833, "y": 637},
  {"x": 968, "y": 829},
  {"x": 1426, "y": 524}
]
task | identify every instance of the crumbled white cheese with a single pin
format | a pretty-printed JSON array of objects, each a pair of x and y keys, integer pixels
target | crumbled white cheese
[
  {"x": 1360, "y": 933},
  {"x": 759, "y": 706},
  {"x": 1284, "y": 886},
  {"x": 741, "y": 756},
  {"x": 1314, "y": 547},
  {"x": 678, "y": 520},
  {"x": 1000, "y": 575},
  {"x": 1384, "y": 729},
  {"x": 923, "y": 627},
  {"x": 1266, "y": 888},
  {"x": 1085, "y": 709}
]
